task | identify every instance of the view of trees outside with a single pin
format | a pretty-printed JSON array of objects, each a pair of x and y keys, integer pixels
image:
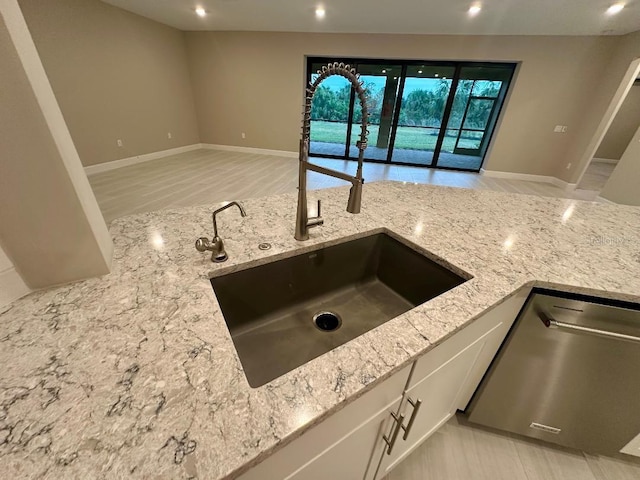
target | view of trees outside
[
  {"x": 478, "y": 113},
  {"x": 420, "y": 115}
]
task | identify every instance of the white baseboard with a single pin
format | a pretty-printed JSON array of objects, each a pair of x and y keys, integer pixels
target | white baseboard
[
  {"x": 260, "y": 151},
  {"x": 566, "y": 186},
  {"x": 605, "y": 200},
  {"x": 125, "y": 162},
  {"x": 530, "y": 178},
  {"x": 604, "y": 160},
  {"x": 12, "y": 286}
]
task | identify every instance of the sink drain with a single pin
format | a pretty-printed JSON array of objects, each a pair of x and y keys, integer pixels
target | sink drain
[{"x": 327, "y": 321}]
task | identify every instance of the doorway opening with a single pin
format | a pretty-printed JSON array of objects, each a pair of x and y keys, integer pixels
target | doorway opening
[
  {"x": 614, "y": 143},
  {"x": 429, "y": 114},
  {"x": 613, "y": 136}
]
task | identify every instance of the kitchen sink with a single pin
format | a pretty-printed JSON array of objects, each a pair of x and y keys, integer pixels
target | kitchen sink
[{"x": 284, "y": 313}]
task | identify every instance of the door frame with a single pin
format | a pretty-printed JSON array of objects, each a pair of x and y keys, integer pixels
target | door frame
[
  {"x": 632, "y": 73},
  {"x": 494, "y": 103}
]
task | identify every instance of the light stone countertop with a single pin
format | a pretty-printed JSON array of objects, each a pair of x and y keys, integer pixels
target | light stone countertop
[{"x": 135, "y": 374}]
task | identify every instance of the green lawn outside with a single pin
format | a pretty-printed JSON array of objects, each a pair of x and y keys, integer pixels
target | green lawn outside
[{"x": 412, "y": 138}]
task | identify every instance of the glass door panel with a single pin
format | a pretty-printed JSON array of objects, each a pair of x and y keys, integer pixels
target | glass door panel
[
  {"x": 474, "y": 128},
  {"x": 381, "y": 83},
  {"x": 425, "y": 91},
  {"x": 479, "y": 94},
  {"x": 329, "y": 115}
]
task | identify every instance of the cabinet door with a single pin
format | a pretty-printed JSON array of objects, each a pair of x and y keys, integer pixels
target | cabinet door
[
  {"x": 504, "y": 313},
  {"x": 445, "y": 378},
  {"x": 344, "y": 444},
  {"x": 502, "y": 316},
  {"x": 438, "y": 393},
  {"x": 354, "y": 456}
]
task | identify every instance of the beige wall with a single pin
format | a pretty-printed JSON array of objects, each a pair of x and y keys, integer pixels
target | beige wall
[
  {"x": 11, "y": 284},
  {"x": 5, "y": 263},
  {"x": 252, "y": 82},
  {"x": 624, "y": 125},
  {"x": 622, "y": 186},
  {"x": 48, "y": 224},
  {"x": 116, "y": 75}
]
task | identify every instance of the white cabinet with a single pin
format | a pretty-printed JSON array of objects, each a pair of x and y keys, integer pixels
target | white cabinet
[
  {"x": 354, "y": 456},
  {"x": 444, "y": 379},
  {"x": 344, "y": 446},
  {"x": 349, "y": 445},
  {"x": 431, "y": 402}
]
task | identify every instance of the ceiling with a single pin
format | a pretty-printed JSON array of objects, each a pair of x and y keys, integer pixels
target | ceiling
[{"x": 498, "y": 17}]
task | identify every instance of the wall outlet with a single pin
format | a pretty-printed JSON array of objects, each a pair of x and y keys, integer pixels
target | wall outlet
[
  {"x": 244, "y": 135},
  {"x": 119, "y": 142},
  {"x": 169, "y": 135},
  {"x": 568, "y": 166},
  {"x": 560, "y": 129}
]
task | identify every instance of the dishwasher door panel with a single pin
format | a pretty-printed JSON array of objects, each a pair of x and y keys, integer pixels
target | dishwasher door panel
[{"x": 571, "y": 388}]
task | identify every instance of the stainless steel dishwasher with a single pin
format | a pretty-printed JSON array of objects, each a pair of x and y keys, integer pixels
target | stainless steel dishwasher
[{"x": 568, "y": 373}]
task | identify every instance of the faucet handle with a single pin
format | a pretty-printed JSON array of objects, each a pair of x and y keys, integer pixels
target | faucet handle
[
  {"x": 203, "y": 244},
  {"x": 317, "y": 220}
]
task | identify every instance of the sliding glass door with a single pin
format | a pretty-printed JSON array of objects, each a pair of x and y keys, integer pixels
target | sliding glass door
[
  {"x": 330, "y": 115},
  {"x": 425, "y": 90},
  {"x": 479, "y": 95},
  {"x": 434, "y": 114},
  {"x": 381, "y": 84}
]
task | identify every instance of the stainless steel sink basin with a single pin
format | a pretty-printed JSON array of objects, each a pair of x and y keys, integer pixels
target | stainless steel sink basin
[{"x": 284, "y": 313}]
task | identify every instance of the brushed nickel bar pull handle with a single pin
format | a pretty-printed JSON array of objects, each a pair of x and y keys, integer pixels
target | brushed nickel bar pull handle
[
  {"x": 551, "y": 323},
  {"x": 416, "y": 408},
  {"x": 391, "y": 443}
]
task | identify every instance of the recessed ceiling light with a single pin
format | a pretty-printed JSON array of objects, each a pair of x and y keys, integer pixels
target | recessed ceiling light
[
  {"x": 201, "y": 12},
  {"x": 475, "y": 9},
  {"x": 437, "y": 75},
  {"x": 320, "y": 13},
  {"x": 419, "y": 71},
  {"x": 615, "y": 8},
  {"x": 384, "y": 71}
]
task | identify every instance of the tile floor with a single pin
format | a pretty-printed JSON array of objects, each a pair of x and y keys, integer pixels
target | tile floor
[
  {"x": 596, "y": 176},
  {"x": 459, "y": 451},
  {"x": 209, "y": 177}
]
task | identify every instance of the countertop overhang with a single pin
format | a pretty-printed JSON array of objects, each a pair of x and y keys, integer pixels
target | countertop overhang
[{"x": 134, "y": 374}]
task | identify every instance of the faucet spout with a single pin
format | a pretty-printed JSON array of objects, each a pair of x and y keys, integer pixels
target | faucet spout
[
  {"x": 303, "y": 222},
  {"x": 228, "y": 205}
]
